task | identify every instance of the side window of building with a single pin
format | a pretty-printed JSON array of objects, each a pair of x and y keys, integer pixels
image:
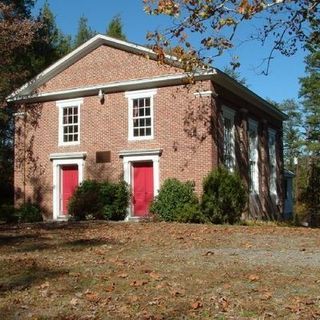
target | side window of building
[
  {"x": 272, "y": 162},
  {"x": 228, "y": 138},
  {"x": 253, "y": 156},
  {"x": 69, "y": 121},
  {"x": 141, "y": 114}
]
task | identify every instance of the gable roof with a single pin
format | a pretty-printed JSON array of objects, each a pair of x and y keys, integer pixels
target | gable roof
[
  {"x": 79, "y": 53},
  {"x": 26, "y": 92}
]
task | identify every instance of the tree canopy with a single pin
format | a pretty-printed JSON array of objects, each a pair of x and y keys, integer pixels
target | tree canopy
[
  {"x": 115, "y": 27},
  {"x": 84, "y": 32},
  {"x": 288, "y": 23}
]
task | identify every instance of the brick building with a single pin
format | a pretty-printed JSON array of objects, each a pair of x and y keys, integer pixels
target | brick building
[{"x": 110, "y": 110}]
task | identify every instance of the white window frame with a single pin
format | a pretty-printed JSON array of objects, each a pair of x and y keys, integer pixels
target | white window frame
[
  {"x": 272, "y": 162},
  {"x": 228, "y": 113},
  {"x": 254, "y": 180},
  {"x": 65, "y": 104},
  {"x": 140, "y": 94}
]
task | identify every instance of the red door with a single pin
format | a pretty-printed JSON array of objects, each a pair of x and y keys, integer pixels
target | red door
[
  {"x": 142, "y": 188},
  {"x": 69, "y": 182}
]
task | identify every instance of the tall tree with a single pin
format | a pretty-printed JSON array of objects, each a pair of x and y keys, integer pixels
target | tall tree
[
  {"x": 50, "y": 43},
  {"x": 310, "y": 92},
  {"x": 17, "y": 31},
  {"x": 114, "y": 28},
  {"x": 84, "y": 32},
  {"x": 217, "y": 23},
  {"x": 292, "y": 132}
]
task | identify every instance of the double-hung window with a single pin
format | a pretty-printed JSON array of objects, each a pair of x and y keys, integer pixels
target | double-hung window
[
  {"x": 253, "y": 156},
  {"x": 272, "y": 162},
  {"x": 140, "y": 115},
  {"x": 69, "y": 121},
  {"x": 228, "y": 138}
]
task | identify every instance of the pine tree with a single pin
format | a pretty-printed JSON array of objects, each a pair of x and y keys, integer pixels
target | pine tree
[
  {"x": 310, "y": 92},
  {"x": 50, "y": 44},
  {"x": 292, "y": 131},
  {"x": 114, "y": 29},
  {"x": 84, "y": 32}
]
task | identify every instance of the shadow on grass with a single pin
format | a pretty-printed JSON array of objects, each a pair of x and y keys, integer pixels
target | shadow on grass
[
  {"x": 24, "y": 274},
  {"x": 17, "y": 239},
  {"x": 74, "y": 245}
]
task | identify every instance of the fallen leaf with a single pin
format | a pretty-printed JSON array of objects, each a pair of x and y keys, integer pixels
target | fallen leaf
[
  {"x": 223, "y": 304},
  {"x": 74, "y": 301},
  {"x": 196, "y": 305},
  {"x": 111, "y": 288},
  {"x": 93, "y": 297},
  {"x": 254, "y": 277},
  {"x": 123, "y": 275},
  {"x": 155, "y": 276},
  {"x": 138, "y": 283}
]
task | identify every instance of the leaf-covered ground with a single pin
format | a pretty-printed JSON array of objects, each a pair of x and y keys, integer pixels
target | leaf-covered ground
[{"x": 158, "y": 271}]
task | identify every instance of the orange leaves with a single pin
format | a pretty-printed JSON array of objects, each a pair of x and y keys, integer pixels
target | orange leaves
[
  {"x": 196, "y": 305},
  {"x": 253, "y": 277}
]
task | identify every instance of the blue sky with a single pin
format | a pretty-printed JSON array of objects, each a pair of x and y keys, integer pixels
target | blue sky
[{"x": 281, "y": 83}]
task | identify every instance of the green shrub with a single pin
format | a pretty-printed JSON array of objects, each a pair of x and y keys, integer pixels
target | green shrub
[
  {"x": 8, "y": 213},
  {"x": 224, "y": 196},
  {"x": 190, "y": 213},
  {"x": 87, "y": 201},
  {"x": 100, "y": 200},
  {"x": 116, "y": 198},
  {"x": 172, "y": 196},
  {"x": 29, "y": 212}
]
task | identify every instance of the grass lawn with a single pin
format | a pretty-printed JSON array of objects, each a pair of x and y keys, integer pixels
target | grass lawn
[{"x": 158, "y": 271}]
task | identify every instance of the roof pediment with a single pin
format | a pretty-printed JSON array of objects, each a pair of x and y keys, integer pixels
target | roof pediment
[{"x": 80, "y": 52}]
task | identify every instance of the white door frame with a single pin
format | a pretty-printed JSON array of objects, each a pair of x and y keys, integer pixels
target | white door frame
[
  {"x": 149, "y": 155},
  {"x": 59, "y": 160}
]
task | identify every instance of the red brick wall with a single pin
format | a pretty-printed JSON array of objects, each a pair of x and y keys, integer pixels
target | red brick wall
[
  {"x": 106, "y": 64},
  {"x": 105, "y": 127}
]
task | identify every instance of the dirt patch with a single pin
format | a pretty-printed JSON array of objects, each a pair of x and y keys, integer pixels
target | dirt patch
[{"x": 158, "y": 271}]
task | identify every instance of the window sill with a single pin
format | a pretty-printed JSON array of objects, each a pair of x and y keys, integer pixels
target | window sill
[{"x": 140, "y": 138}]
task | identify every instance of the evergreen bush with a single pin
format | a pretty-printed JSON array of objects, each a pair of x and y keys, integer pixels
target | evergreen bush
[
  {"x": 224, "y": 196},
  {"x": 100, "y": 200},
  {"x": 29, "y": 212},
  {"x": 173, "y": 195}
]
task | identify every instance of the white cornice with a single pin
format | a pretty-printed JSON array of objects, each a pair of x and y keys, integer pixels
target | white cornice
[
  {"x": 145, "y": 83},
  {"x": 68, "y": 155},
  {"x": 140, "y": 152}
]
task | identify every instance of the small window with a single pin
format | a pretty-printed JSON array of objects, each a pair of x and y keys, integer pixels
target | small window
[
  {"x": 253, "y": 156},
  {"x": 140, "y": 114},
  {"x": 69, "y": 122},
  {"x": 228, "y": 138}
]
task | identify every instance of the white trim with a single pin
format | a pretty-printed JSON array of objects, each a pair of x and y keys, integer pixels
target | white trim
[
  {"x": 139, "y": 152},
  {"x": 65, "y": 104},
  {"x": 272, "y": 163},
  {"x": 204, "y": 93},
  {"x": 228, "y": 113},
  {"x": 140, "y": 93},
  {"x": 68, "y": 155},
  {"x": 56, "y": 165},
  {"x": 254, "y": 181},
  {"x": 132, "y": 156},
  {"x": 143, "y": 83},
  {"x": 131, "y": 95}
]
